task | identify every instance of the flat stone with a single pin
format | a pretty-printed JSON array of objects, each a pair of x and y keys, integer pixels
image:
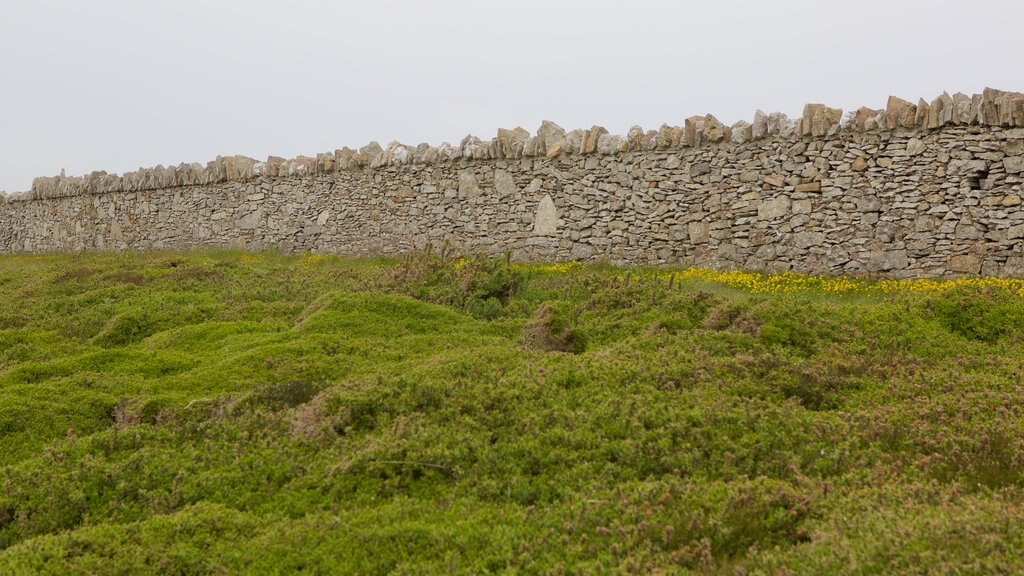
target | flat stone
[
  {"x": 965, "y": 264},
  {"x": 915, "y": 146},
  {"x": 808, "y": 239},
  {"x": 504, "y": 184},
  {"x": 808, "y": 187},
  {"x": 468, "y": 185},
  {"x": 699, "y": 232},
  {"x": 888, "y": 260},
  {"x": 774, "y": 208},
  {"x": 545, "y": 223},
  {"x": 1014, "y": 165},
  {"x": 700, "y": 169}
]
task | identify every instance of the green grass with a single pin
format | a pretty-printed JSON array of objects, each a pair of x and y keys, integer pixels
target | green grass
[{"x": 224, "y": 412}]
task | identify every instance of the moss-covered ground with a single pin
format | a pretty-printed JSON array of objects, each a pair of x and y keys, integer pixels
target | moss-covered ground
[{"x": 225, "y": 412}]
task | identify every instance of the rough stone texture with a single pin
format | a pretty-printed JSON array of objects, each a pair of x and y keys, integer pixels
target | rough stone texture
[{"x": 933, "y": 189}]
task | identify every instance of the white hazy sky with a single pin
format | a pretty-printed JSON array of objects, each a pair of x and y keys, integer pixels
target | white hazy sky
[{"x": 118, "y": 84}]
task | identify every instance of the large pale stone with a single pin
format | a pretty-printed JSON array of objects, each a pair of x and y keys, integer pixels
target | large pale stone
[
  {"x": 741, "y": 132},
  {"x": 899, "y": 113},
  {"x": 780, "y": 124},
  {"x": 714, "y": 131},
  {"x": 915, "y": 146},
  {"x": 759, "y": 128},
  {"x": 886, "y": 260},
  {"x": 504, "y": 184},
  {"x": 819, "y": 120},
  {"x": 921, "y": 117},
  {"x": 473, "y": 147},
  {"x": 510, "y": 142},
  {"x": 668, "y": 137},
  {"x": 611, "y": 144},
  {"x": 591, "y": 138},
  {"x": 369, "y": 153},
  {"x": 961, "y": 113},
  {"x": 635, "y": 138},
  {"x": 693, "y": 129},
  {"x": 1014, "y": 165},
  {"x": 549, "y": 134},
  {"x": 861, "y": 117},
  {"x": 965, "y": 264},
  {"x": 468, "y": 185},
  {"x": 774, "y": 208},
  {"x": 808, "y": 239},
  {"x": 546, "y": 221},
  {"x": 699, "y": 232}
]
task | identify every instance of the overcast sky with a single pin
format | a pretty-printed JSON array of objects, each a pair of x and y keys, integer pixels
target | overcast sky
[{"x": 118, "y": 84}]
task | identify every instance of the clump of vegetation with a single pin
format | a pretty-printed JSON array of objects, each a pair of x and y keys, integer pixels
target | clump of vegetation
[
  {"x": 481, "y": 285},
  {"x": 550, "y": 330},
  {"x": 227, "y": 412}
]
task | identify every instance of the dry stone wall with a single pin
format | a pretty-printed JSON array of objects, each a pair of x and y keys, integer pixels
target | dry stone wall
[{"x": 927, "y": 189}]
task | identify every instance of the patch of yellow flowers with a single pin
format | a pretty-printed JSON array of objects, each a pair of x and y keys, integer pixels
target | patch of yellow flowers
[{"x": 791, "y": 282}]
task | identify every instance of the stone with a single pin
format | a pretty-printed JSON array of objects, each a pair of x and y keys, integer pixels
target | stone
[
  {"x": 700, "y": 169},
  {"x": 965, "y": 264},
  {"x": 1013, "y": 165},
  {"x": 921, "y": 117},
  {"x": 940, "y": 111},
  {"x": 714, "y": 131},
  {"x": 669, "y": 137},
  {"x": 549, "y": 134},
  {"x": 699, "y": 232},
  {"x": 759, "y": 127},
  {"x": 469, "y": 187},
  {"x": 693, "y": 130},
  {"x": 869, "y": 204},
  {"x": 774, "y": 208},
  {"x": 861, "y": 118},
  {"x": 1014, "y": 267},
  {"x": 886, "y": 260},
  {"x": 504, "y": 184},
  {"x": 573, "y": 141},
  {"x": 775, "y": 180},
  {"x": 859, "y": 165},
  {"x": 470, "y": 147},
  {"x": 510, "y": 143},
  {"x": 545, "y": 223},
  {"x": 961, "y": 108},
  {"x": 915, "y": 146},
  {"x": 590, "y": 139},
  {"x": 899, "y": 113},
  {"x": 803, "y": 206},
  {"x": 608, "y": 144},
  {"x": 780, "y": 124},
  {"x": 741, "y": 132},
  {"x": 819, "y": 120},
  {"x": 809, "y": 187},
  {"x": 808, "y": 239}
]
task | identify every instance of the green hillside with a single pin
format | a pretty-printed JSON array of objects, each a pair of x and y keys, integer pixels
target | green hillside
[{"x": 225, "y": 412}]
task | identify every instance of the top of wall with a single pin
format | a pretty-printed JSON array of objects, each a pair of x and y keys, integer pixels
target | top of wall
[{"x": 992, "y": 107}]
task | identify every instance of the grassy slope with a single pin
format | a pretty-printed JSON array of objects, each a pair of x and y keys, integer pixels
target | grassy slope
[{"x": 224, "y": 412}]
